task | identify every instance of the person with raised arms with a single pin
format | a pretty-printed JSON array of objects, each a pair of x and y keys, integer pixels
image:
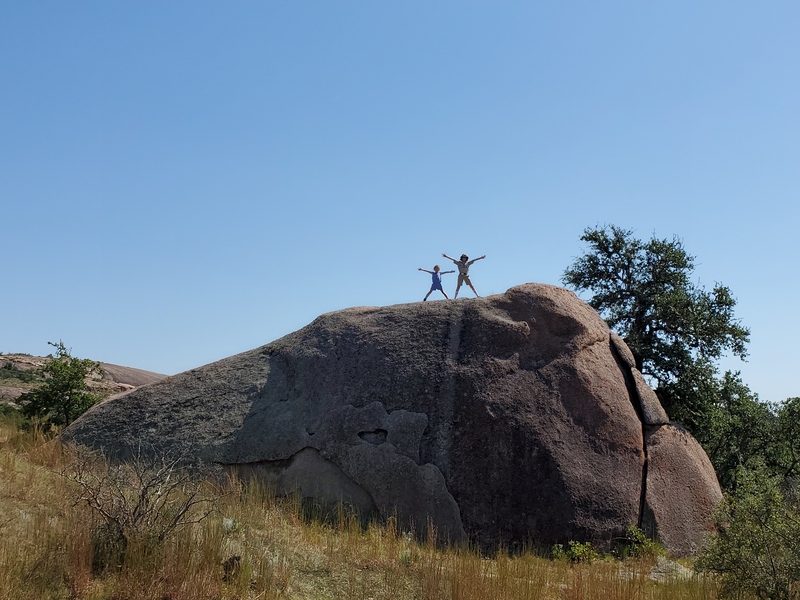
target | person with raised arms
[
  {"x": 463, "y": 265},
  {"x": 436, "y": 284}
]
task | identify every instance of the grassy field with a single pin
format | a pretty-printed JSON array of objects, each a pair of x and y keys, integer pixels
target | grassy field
[{"x": 256, "y": 546}]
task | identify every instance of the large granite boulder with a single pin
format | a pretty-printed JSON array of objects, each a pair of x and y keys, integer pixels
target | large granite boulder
[{"x": 508, "y": 419}]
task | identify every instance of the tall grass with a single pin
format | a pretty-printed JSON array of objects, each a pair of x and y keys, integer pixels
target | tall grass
[{"x": 257, "y": 546}]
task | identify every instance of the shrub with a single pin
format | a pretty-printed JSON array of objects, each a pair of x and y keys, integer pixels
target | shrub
[
  {"x": 10, "y": 372},
  {"x": 636, "y": 544},
  {"x": 756, "y": 548},
  {"x": 11, "y": 416},
  {"x": 144, "y": 500},
  {"x": 575, "y": 552},
  {"x": 64, "y": 395}
]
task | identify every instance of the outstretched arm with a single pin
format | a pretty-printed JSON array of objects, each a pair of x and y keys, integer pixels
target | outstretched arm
[
  {"x": 476, "y": 259},
  {"x": 443, "y": 272},
  {"x": 450, "y": 257},
  {"x": 425, "y": 270}
]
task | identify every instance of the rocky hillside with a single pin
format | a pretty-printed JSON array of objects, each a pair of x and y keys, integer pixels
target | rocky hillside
[{"x": 21, "y": 372}]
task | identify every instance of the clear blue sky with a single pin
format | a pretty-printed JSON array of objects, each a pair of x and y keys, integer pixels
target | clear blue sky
[{"x": 182, "y": 181}]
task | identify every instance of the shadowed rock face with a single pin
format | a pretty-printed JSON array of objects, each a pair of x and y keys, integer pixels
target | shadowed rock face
[{"x": 505, "y": 419}]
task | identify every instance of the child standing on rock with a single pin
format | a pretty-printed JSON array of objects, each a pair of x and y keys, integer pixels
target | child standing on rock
[
  {"x": 436, "y": 284},
  {"x": 463, "y": 271}
]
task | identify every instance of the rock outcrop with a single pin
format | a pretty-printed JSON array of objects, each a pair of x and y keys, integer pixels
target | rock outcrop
[{"x": 507, "y": 419}]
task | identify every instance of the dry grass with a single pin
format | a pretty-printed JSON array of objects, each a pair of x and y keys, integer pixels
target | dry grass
[{"x": 258, "y": 547}]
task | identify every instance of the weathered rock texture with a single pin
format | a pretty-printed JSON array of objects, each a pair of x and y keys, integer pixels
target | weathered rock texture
[
  {"x": 512, "y": 418},
  {"x": 682, "y": 488}
]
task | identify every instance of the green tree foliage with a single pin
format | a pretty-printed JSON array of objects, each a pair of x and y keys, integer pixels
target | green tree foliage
[
  {"x": 741, "y": 430},
  {"x": 756, "y": 549},
  {"x": 64, "y": 395},
  {"x": 745, "y": 433},
  {"x": 676, "y": 329},
  {"x": 9, "y": 373},
  {"x": 787, "y": 445}
]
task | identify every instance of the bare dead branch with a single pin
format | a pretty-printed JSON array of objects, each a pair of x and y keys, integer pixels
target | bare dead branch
[{"x": 154, "y": 494}]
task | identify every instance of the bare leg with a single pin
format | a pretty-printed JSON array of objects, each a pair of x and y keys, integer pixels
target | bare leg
[
  {"x": 426, "y": 295},
  {"x": 443, "y": 293},
  {"x": 473, "y": 289},
  {"x": 458, "y": 287}
]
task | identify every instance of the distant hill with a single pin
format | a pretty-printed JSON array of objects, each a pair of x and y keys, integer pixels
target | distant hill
[
  {"x": 128, "y": 376},
  {"x": 22, "y": 372}
]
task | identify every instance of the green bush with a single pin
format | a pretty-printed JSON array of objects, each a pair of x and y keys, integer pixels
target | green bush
[
  {"x": 64, "y": 395},
  {"x": 11, "y": 416},
  {"x": 9, "y": 372},
  {"x": 636, "y": 544},
  {"x": 575, "y": 552},
  {"x": 756, "y": 549}
]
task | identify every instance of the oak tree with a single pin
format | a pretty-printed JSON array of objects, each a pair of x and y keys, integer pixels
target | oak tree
[{"x": 676, "y": 329}]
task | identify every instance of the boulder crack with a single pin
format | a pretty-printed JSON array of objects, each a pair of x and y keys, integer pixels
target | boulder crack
[{"x": 633, "y": 395}]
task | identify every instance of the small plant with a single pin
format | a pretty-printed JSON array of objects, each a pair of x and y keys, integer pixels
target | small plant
[
  {"x": 575, "y": 552},
  {"x": 636, "y": 544},
  {"x": 405, "y": 557}
]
